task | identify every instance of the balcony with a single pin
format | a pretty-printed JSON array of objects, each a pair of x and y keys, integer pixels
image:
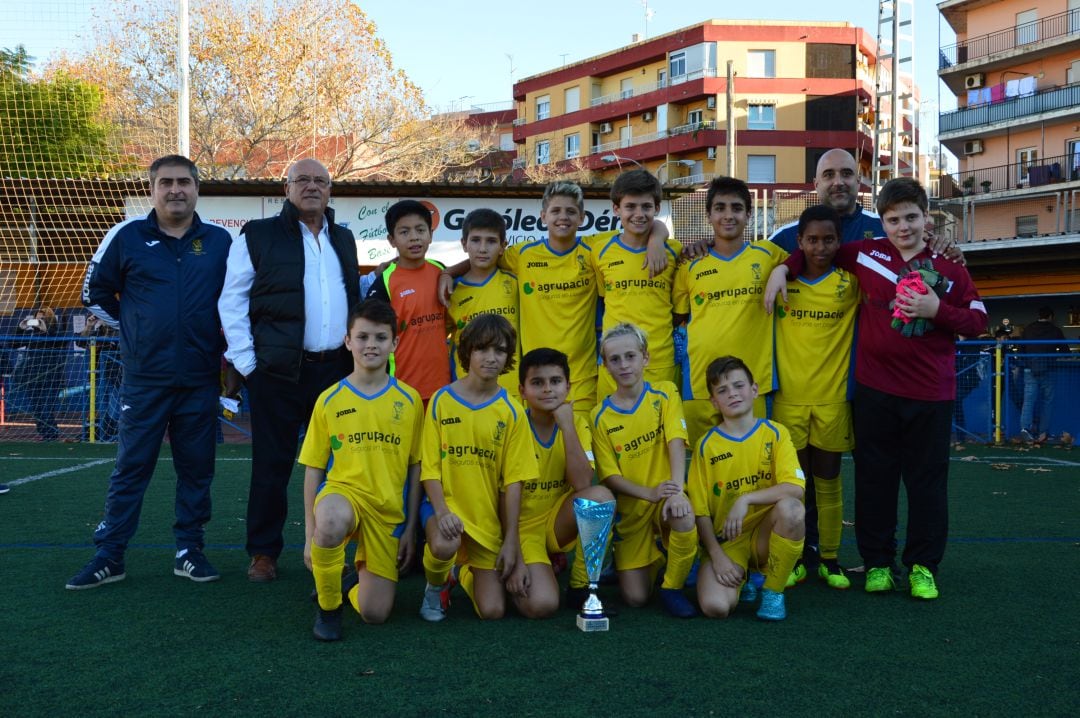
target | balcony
[
  {"x": 996, "y": 117},
  {"x": 1041, "y": 172},
  {"x": 623, "y": 143},
  {"x": 639, "y": 90},
  {"x": 1031, "y": 40}
]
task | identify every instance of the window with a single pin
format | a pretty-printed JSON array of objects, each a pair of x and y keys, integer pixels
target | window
[
  {"x": 1025, "y": 158},
  {"x": 626, "y": 136},
  {"x": 1072, "y": 72},
  {"x": 506, "y": 141},
  {"x": 661, "y": 78},
  {"x": 573, "y": 146},
  {"x": 1072, "y": 164},
  {"x": 1027, "y": 225},
  {"x": 595, "y": 142},
  {"x": 626, "y": 87},
  {"x": 761, "y": 169},
  {"x": 543, "y": 107},
  {"x": 543, "y": 152},
  {"x": 694, "y": 117},
  {"x": 1074, "y": 16},
  {"x": 1027, "y": 27},
  {"x": 761, "y": 63},
  {"x": 572, "y": 99},
  {"x": 677, "y": 64},
  {"x": 761, "y": 117}
]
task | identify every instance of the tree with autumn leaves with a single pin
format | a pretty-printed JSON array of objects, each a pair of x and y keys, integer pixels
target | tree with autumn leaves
[{"x": 271, "y": 82}]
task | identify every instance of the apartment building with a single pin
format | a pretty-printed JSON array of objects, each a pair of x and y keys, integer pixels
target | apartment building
[
  {"x": 1015, "y": 71},
  {"x": 800, "y": 89}
]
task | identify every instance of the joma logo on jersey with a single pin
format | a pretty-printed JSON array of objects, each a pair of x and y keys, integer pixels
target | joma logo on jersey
[
  {"x": 534, "y": 265},
  {"x": 343, "y": 412},
  {"x": 450, "y": 420},
  {"x": 751, "y": 480},
  {"x": 613, "y": 429},
  {"x": 707, "y": 273},
  {"x": 465, "y": 301},
  {"x": 720, "y": 457},
  {"x": 616, "y": 263},
  {"x": 406, "y": 292},
  {"x": 880, "y": 255}
]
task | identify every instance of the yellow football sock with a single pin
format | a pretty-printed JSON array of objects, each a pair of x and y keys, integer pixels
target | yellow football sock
[
  {"x": 436, "y": 569},
  {"x": 830, "y": 515},
  {"x": 326, "y": 566},
  {"x": 579, "y": 577},
  {"x": 783, "y": 553},
  {"x": 467, "y": 581},
  {"x": 682, "y": 547},
  {"x": 354, "y": 598}
]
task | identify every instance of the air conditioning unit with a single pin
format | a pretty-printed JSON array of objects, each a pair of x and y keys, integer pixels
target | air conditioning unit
[
  {"x": 648, "y": 117},
  {"x": 711, "y": 153},
  {"x": 605, "y": 128},
  {"x": 711, "y": 103},
  {"x": 974, "y": 81},
  {"x": 973, "y": 147}
]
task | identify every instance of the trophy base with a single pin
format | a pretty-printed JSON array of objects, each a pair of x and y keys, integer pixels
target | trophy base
[{"x": 592, "y": 625}]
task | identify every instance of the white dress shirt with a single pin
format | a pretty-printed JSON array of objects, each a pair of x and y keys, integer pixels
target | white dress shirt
[{"x": 326, "y": 307}]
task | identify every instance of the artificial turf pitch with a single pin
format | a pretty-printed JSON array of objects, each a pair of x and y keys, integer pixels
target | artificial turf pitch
[{"x": 1003, "y": 639}]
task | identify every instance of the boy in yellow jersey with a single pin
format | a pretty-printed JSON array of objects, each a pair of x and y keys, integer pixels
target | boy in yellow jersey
[
  {"x": 815, "y": 330},
  {"x": 720, "y": 296},
  {"x": 563, "y": 446},
  {"x": 476, "y": 449},
  {"x": 557, "y": 293},
  {"x": 628, "y": 291},
  {"x": 746, "y": 487},
  {"x": 639, "y": 438},
  {"x": 484, "y": 289},
  {"x": 362, "y": 453}
]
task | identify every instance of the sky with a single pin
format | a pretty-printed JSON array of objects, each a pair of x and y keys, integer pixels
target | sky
[{"x": 470, "y": 53}]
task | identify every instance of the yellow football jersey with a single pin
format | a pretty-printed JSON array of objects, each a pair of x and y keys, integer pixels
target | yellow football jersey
[
  {"x": 498, "y": 294},
  {"x": 557, "y": 305},
  {"x": 367, "y": 442},
  {"x": 724, "y": 467},
  {"x": 723, "y": 296},
  {"x": 476, "y": 450},
  {"x": 539, "y": 497},
  {"x": 815, "y": 333},
  {"x": 630, "y": 295},
  {"x": 634, "y": 443}
]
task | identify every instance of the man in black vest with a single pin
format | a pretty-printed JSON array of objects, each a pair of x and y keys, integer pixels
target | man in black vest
[{"x": 289, "y": 285}]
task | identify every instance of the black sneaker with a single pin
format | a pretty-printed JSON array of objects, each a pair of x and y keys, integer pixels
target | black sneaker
[
  {"x": 327, "y": 624},
  {"x": 191, "y": 563},
  {"x": 97, "y": 572}
]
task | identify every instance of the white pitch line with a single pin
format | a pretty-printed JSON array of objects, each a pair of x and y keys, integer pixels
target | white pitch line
[
  {"x": 1017, "y": 459},
  {"x": 59, "y": 472}
]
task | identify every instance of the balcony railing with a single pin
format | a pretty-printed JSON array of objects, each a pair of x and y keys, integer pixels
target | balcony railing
[
  {"x": 1056, "y": 98},
  {"x": 691, "y": 180},
  {"x": 492, "y": 107},
  {"x": 1047, "y": 28},
  {"x": 651, "y": 87},
  {"x": 1043, "y": 171}
]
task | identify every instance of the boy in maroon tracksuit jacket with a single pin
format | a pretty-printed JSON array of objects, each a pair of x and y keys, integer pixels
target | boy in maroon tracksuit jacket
[{"x": 905, "y": 385}]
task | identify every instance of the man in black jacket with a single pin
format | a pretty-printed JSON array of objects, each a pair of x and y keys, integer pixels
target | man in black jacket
[
  {"x": 290, "y": 282},
  {"x": 1039, "y": 376},
  {"x": 157, "y": 279}
]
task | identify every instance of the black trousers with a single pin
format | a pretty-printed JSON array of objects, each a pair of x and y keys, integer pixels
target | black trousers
[
  {"x": 280, "y": 409},
  {"x": 898, "y": 439}
]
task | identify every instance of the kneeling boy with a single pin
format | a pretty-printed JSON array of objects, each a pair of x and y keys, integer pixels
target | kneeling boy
[
  {"x": 563, "y": 446},
  {"x": 362, "y": 453},
  {"x": 746, "y": 487},
  {"x": 476, "y": 451}
]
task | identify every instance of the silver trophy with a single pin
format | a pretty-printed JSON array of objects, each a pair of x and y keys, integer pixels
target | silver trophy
[{"x": 594, "y": 521}]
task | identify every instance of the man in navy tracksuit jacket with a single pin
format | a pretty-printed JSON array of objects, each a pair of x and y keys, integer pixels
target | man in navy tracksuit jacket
[{"x": 157, "y": 279}]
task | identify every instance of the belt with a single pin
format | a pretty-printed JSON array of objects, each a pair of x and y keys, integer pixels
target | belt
[{"x": 323, "y": 356}]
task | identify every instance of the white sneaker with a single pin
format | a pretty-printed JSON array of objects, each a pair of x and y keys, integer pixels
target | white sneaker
[{"x": 433, "y": 607}]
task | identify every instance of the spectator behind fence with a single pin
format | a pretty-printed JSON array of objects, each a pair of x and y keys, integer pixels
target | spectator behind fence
[
  {"x": 157, "y": 279},
  {"x": 109, "y": 369},
  {"x": 1039, "y": 376},
  {"x": 37, "y": 371}
]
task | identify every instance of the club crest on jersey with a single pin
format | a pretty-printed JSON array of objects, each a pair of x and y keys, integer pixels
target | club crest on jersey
[
  {"x": 507, "y": 287},
  {"x": 581, "y": 264},
  {"x": 196, "y": 247},
  {"x": 500, "y": 427},
  {"x": 398, "y": 409},
  {"x": 755, "y": 268},
  {"x": 768, "y": 451},
  {"x": 842, "y": 287}
]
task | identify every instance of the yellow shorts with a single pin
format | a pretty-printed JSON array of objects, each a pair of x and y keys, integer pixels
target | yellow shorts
[
  {"x": 605, "y": 384},
  {"x": 583, "y": 395},
  {"x": 701, "y": 416},
  {"x": 637, "y": 524},
  {"x": 476, "y": 555},
  {"x": 376, "y": 544},
  {"x": 538, "y": 537},
  {"x": 825, "y": 426},
  {"x": 741, "y": 549}
]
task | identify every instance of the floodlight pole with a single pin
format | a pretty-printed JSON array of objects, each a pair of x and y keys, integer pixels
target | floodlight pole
[{"x": 183, "y": 125}]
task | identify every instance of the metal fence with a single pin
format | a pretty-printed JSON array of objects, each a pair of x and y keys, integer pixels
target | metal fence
[{"x": 1006, "y": 388}]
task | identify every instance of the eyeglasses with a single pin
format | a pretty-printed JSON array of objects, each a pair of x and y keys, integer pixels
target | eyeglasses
[{"x": 304, "y": 180}]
